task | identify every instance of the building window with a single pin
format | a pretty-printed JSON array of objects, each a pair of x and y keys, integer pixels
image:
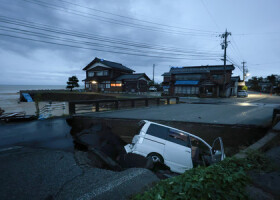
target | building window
[
  {"x": 90, "y": 74},
  {"x": 107, "y": 84},
  {"x": 116, "y": 84},
  {"x": 217, "y": 77},
  {"x": 102, "y": 73}
]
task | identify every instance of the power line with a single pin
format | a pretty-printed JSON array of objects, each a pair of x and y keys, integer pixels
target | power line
[
  {"x": 43, "y": 35},
  {"x": 110, "y": 51},
  {"x": 97, "y": 38},
  {"x": 114, "y": 21},
  {"x": 234, "y": 43},
  {"x": 211, "y": 16},
  {"x": 135, "y": 19},
  {"x": 235, "y": 63}
]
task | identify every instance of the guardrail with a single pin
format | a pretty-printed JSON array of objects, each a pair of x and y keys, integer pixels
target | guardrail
[
  {"x": 96, "y": 103},
  {"x": 46, "y": 111}
]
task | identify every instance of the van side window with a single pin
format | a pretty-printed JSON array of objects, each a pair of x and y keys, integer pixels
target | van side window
[
  {"x": 158, "y": 131},
  {"x": 179, "y": 138}
]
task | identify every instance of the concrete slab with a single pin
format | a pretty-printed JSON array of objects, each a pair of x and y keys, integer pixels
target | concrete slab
[
  {"x": 269, "y": 182},
  {"x": 260, "y": 144},
  {"x": 274, "y": 155},
  {"x": 118, "y": 186},
  {"x": 200, "y": 113},
  {"x": 35, "y": 174},
  {"x": 47, "y": 174},
  {"x": 276, "y": 127}
]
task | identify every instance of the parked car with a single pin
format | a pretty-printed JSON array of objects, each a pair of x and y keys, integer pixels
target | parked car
[
  {"x": 242, "y": 93},
  {"x": 177, "y": 149},
  {"x": 152, "y": 89}
]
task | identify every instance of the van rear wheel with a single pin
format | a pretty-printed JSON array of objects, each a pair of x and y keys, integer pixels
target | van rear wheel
[{"x": 155, "y": 157}]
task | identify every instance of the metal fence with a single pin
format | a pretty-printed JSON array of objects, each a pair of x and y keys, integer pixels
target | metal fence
[{"x": 76, "y": 107}]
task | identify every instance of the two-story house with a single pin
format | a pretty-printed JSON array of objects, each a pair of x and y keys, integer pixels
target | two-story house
[
  {"x": 199, "y": 80},
  {"x": 106, "y": 76}
]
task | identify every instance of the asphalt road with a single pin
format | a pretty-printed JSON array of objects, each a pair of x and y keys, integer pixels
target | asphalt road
[
  {"x": 28, "y": 173},
  {"x": 256, "y": 110}
]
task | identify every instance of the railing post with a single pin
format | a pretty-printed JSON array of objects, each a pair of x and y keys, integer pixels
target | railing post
[
  {"x": 168, "y": 100},
  {"x": 97, "y": 106},
  {"x": 72, "y": 109},
  {"x": 146, "y": 102},
  {"x": 116, "y": 105},
  {"x": 177, "y": 100},
  {"x": 132, "y": 103},
  {"x": 158, "y": 101}
]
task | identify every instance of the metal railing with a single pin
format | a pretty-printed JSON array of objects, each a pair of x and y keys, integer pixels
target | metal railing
[
  {"x": 46, "y": 110},
  {"x": 94, "y": 105}
]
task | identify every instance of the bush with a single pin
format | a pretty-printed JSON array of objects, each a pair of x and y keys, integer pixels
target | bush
[
  {"x": 224, "y": 180},
  {"x": 245, "y": 88}
]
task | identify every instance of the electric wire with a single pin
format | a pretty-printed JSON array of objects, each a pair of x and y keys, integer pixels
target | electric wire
[
  {"x": 49, "y": 29},
  {"x": 114, "y": 21},
  {"x": 135, "y": 19}
]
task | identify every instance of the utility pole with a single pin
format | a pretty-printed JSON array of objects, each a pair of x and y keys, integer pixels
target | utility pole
[
  {"x": 224, "y": 46},
  {"x": 243, "y": 63},
  {"x": 154, "y": 73}
]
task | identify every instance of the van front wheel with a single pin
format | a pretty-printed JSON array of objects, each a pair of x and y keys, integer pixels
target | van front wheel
[{"x": 155, "y": 157}]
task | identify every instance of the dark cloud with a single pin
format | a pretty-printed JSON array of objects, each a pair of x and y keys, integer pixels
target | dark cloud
[{"x": 30, "y": 62}]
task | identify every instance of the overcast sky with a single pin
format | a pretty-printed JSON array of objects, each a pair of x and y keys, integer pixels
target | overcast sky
[{"x": 188, "y": 31}]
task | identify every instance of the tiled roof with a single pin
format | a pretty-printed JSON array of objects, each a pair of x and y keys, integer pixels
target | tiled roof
[
  {"x": 131, "y": 76},
  {"x": 197, "y": 69},
  {"x": 109, "y": 64}
]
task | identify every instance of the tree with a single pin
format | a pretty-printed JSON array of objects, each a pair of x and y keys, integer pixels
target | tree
[
  {"x": 255, "y": 83},
  {"x": 72, "y": 82},
  {"x": 272, "y": 79},
  {"x": 245, "y": 88}
]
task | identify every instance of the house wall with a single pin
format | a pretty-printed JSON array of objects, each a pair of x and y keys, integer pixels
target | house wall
[
  {"x": 166, "y": 78},
  {"x": 214, "y": 83},
  {"x": 108, "y": 78},
  {"x": 135, "y": 86}
]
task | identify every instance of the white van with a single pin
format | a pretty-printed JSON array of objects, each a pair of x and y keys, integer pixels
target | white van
[{"x": 177, "y": 149}]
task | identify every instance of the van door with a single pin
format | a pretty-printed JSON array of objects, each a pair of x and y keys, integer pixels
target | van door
[
  {"x": 177, "y": 151},
  {"x": 218, "y": 150}
]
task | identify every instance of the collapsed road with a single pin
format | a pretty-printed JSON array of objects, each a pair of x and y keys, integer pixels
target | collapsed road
[
  {"x": 38, "y": 162},
  {"x": 50, "y": 159}
]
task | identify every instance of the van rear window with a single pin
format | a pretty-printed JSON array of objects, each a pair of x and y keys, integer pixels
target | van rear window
[{"x": 158, "y": 131}]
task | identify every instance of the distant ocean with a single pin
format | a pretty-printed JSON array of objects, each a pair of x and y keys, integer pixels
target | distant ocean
[{"x": 12, "y": 89}]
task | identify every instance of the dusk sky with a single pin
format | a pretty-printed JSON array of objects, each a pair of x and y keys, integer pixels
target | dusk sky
[{"x": 43, "y": 42}]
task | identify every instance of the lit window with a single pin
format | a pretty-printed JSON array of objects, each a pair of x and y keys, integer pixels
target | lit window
[
  {"x": 118, "y": 84},
  {"x": 113, "y": 85}
]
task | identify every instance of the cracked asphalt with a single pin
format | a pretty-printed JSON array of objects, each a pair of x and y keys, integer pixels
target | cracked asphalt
[{"x": 32, "y": 173}]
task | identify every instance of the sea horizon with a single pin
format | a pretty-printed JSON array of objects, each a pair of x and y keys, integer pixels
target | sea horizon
[{"x": 12, "y": 89}]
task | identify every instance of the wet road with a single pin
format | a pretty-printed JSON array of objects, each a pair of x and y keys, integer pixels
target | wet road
[{"x": 51, "y": 133}]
